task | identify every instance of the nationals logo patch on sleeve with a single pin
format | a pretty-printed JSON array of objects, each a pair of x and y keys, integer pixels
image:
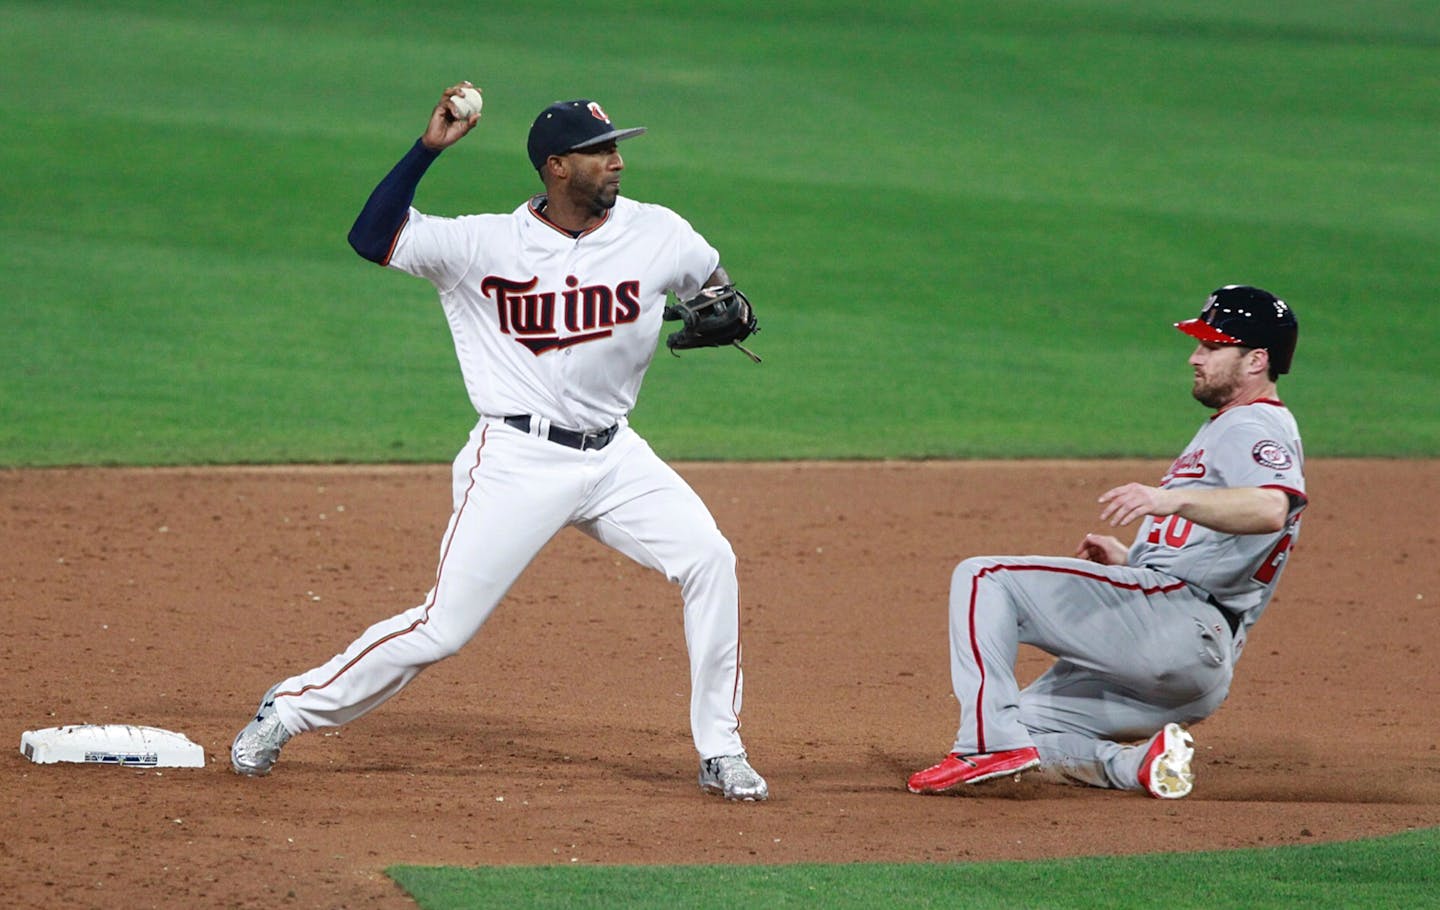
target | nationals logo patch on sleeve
[{"x": 1271, "y": 454}]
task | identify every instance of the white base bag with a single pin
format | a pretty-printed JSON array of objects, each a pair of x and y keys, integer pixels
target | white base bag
[{"x": 112, "y": 744}]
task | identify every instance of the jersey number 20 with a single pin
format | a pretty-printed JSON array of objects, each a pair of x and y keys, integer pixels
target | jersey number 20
[{"x": 1175, "y": 531}]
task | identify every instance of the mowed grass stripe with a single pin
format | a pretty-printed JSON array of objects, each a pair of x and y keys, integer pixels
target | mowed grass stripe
[{"x": 962, "y": 224}]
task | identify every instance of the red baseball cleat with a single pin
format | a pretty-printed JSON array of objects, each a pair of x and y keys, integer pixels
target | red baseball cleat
[
  {"x": 1165, "y": 770},
  {"x": 959, "y": 769}
]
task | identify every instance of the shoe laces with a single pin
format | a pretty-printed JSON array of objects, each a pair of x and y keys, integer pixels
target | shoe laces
[{"x": 733, "y": 766}]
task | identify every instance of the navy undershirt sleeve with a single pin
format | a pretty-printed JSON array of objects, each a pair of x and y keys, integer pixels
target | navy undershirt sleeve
[{"x": 378, "y": 225}]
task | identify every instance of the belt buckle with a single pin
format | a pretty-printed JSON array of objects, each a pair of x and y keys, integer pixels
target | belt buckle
[{"x": 598, "y": 439}]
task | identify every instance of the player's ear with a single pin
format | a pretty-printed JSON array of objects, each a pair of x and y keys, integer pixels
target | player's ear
[{"x": 1259, "y": 360}]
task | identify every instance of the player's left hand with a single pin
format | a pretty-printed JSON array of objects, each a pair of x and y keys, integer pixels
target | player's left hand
[
  {"x": 1126, "y": 503},
  {"x": 717, "y": 316}
]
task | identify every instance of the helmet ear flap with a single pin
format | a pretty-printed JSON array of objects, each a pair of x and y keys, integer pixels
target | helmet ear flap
[{"x": 1282, "y": 352}]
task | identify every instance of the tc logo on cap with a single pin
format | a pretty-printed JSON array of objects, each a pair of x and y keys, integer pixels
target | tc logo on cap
[{"x": 569, "y": 126}]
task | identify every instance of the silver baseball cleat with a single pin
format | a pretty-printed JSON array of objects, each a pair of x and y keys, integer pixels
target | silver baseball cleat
[
  {"x": 257, "y": 747},
  {"x": 732, "y": 777}
]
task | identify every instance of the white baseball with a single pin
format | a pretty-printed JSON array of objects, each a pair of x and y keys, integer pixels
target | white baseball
[{"x": 468, "y": 102}]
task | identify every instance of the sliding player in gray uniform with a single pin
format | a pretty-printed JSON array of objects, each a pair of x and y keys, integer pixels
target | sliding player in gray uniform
[{"x": 1147, "y": 636}]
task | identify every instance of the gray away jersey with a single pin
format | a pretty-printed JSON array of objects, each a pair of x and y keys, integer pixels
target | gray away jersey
[{"x": 1253, "y": 445}]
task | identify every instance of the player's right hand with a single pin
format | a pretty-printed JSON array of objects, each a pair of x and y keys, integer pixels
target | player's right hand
[
  {"x": 1104, "y": 549},
  {"x": 445, "y": 128}
]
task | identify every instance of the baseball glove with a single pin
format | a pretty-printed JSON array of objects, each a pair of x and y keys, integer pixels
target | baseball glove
[{"x": 713, "y": 318}]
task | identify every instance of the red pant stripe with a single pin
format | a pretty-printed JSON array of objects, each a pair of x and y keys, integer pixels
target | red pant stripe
[
  {"x": 439, "y": 570},
  {"x": 1064, "y": 570}
]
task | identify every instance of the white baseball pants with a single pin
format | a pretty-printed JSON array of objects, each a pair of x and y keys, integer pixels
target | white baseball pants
[{"x": 512, "y": 493}]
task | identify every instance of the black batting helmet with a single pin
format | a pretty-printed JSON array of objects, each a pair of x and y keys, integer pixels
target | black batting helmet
[{"x": 1247, "y": 316}]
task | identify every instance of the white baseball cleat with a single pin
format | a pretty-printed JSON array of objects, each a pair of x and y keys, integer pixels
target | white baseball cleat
[
  {"x": 257, "y": 747},
  {"x": 732, "y": 777},
  {"x": 1165, "y": 770}
]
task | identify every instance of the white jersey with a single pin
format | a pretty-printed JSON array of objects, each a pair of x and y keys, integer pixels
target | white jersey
[
  {"x": 560, "y": 329},
  {"x": 1253, "y": 445},
  {"x": 549, "y": 324}
]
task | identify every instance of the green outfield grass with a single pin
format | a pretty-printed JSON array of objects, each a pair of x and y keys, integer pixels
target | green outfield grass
[
  {"x": 966, "y": 226},
  {"x": 1390, "y": 872}
]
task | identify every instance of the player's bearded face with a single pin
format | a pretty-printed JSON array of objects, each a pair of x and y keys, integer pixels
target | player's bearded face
[
  {"x": 596, "y": 181},
  {"x": 1219, "y": 374}
]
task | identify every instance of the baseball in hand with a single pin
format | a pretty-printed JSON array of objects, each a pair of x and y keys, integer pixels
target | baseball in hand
[{"x": 468, "y": 102}]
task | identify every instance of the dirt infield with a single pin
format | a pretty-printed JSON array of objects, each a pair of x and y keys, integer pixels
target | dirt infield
[{"x": 560, "y": 735}]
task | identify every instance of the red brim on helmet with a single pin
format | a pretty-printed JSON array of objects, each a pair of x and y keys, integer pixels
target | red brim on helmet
[{"x": 1199, "y": 328}]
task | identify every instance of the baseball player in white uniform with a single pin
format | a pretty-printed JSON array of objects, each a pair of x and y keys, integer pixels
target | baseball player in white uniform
[
  {"x": 555, "y": 309},
  {"x": 1146, "y": 637}
]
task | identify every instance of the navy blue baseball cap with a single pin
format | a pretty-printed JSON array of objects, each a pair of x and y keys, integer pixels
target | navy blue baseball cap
[{"x": 572, "y": 126}]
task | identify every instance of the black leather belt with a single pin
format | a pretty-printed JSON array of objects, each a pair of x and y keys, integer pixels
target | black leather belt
[
  {"x": 1231, "y": 617},
  {"x": 572, "y": 438}
]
